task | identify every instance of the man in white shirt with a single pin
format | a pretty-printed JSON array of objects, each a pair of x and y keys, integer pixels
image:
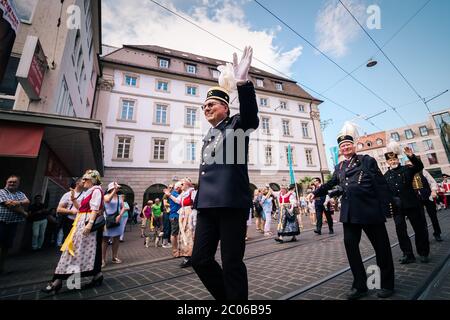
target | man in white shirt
[{"x": 66, "y": 208}]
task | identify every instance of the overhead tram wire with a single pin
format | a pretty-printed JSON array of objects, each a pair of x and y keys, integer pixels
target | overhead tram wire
[
  {"x": 332, "y": 61},
  {"x": 386, "y": 56},
  {"x": 384, "y": 45},
  {"x": 264, "y": 63}
]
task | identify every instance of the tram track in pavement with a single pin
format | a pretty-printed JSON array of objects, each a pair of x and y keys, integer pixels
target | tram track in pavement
[
  {"x": 418, "y": 294},
  {"x": 279, "y": 248},
  {"x": 144, "y": 263}
]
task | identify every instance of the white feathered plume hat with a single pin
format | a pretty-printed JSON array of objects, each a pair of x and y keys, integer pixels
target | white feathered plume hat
[
  {"x": 227, "y": 83},
  {"x": 348, "y": 133},
  {"x": 393, "y": 150}
]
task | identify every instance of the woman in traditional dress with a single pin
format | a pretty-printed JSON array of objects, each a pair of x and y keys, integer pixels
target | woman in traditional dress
[
  {"x": 287, "y": 219},
  {"x": 186, "y": 223},
  {"x": 82, "y": 251}
]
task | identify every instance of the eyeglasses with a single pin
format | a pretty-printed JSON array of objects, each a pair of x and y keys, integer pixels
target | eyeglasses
[{"x": 210, "y": 105}]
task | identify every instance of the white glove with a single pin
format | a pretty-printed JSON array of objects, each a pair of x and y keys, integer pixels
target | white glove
[
  {"x": 226, "y": 78},
  {"x": 241, "y": 69}
]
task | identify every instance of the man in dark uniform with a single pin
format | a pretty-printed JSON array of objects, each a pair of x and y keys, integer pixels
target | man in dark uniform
[
  {"x": 406, "y": 204},
  {"x": 320, "y": 210},
  {"x": 364, "y": 206},
  {"x": 223, "y": 200}
]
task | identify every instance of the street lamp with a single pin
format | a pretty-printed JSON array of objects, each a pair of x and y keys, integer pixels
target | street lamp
[{"x": 371, "y": 63}]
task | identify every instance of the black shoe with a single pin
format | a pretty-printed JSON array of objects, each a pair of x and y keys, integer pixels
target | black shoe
[
  {"x": 424, "y": 259},
  {"x": 294, "y": 239},
  {"x": 385, "y": 293},
  {"x": 438, "y": 238},
  {"x": 279, "y": 240},
  {"x": 318, "y": 232},
  {"x": 355, "y": 294},
  {"x": 407, "y": 259},
  {"x": 331, "y": 231},
  {"x": 50, "y": 288},
  {"x": 186, "y": 263},
  {"x": 94, "y": 283}
]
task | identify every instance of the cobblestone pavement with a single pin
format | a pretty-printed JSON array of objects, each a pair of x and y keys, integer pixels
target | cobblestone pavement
[{"x": 275, "y": 270}]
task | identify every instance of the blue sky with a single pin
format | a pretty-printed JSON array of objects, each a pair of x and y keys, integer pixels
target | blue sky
[{"x": 421, "y": 50}]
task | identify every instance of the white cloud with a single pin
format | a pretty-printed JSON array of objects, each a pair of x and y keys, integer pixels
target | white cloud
[
  {"x": 132, "y": 22},
  {"x": 336, "y": 29}
]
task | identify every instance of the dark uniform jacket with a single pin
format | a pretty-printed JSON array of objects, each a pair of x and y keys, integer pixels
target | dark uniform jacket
[
  {"x": 366, "y": 196},
  {"x": 400, "y": 182},
  {"x": 225, "y": 184}
]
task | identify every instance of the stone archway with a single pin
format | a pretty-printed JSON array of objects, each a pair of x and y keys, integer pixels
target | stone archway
[
  {"x": 153, "y": 192},
  {"x": 129, "y": 194}
]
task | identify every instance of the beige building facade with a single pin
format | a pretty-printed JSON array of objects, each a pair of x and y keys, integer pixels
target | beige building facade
[{"x": 149, "y": 102}]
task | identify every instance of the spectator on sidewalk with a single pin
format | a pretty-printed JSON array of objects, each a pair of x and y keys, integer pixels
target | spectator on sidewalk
[
  {"x": 67, "y": 210},
  {"x": 166, "y": 220},
  {"x": 38, "y": 214},
  {"x": 174, "y": 219},
  {"x": 146, "y": 216},
  {"x": 113, "y": 207},
  {"x": 135, "y": 213},
  {"x": 157, "y": 213},
  {"x": 266, "y": 203},
  {"x": 124, "y": 220},
  {"x": 12, "y": 212}
]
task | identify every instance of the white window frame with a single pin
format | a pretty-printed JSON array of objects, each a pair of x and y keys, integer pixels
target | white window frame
[
  {"x": 305, "y": 126},
  {"x": 164, "y": 65},
  {"x": 121, "y": 104},
  {"x": 124, "y": 83},
  {"x": 284, "y": 127},
  {"x": 301, "y": 108},
  {"x": 116, "y": 148},
  {"x": 412, "y": 134},
  {"x": 427, "y": 147},
  {"x": 191, "y": 153},
  {"x": 157, "y": 88},
  {"x": 426, "y": 131},
  {"x": 268, "y": 151},
  {"x": 310, "y": 159},
  {"x": 283, "y": 105},
  {"x": 265, "y": 131},
  {"x": 165, "y": 149},
  {"x": 260, "y": 83},
  {"x": 215, "y": 73},
  {"x": 279, "y": 86},
  {"x": 155, "y": 114},
  {"x": 191, "y": 86},
  {"x": 261, "y": 100},
  {"x": 191, "y": 68},
  {"x": 196, "y": 120},
  {"x": 395, "y": 134}
]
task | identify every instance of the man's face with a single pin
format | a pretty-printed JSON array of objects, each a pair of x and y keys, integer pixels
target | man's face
[
  {"x": 316, "y": 182},
  {"x": 215, "y": 111},
  {"x": 12, "y": 184},
  {"x": 393, "y": 163},
  {"x": 347, "y": 149}
]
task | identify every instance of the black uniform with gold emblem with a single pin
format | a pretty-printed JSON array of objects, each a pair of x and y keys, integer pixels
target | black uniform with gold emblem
[
  {"x": 223, "y": 200},
  {"x": 364, "y": 206},
  {"x": 406, "y": 204}
]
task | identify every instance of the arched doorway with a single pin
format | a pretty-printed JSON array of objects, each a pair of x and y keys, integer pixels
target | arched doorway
[
  {"x": 129, "y": 194},
  {"x": 153, "y": 192}
]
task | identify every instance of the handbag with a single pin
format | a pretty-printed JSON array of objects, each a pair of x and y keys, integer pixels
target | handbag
[{"x": 111, "y": 219}]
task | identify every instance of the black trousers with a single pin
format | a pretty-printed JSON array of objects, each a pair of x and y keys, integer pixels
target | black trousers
[
  {"x": 431, "y": 209},
  {"x": 66, "y": 226},
  {"x": 227, "y": 225},
  {"x": 319, "y": 211},
  {"x": 416, "y": 217},
  {"x": 379, "y": 239}
]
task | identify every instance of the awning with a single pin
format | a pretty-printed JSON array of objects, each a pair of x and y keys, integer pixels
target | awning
[
  {"x": 20, "y": 141},
  {"x": 76, "y": 142}
]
